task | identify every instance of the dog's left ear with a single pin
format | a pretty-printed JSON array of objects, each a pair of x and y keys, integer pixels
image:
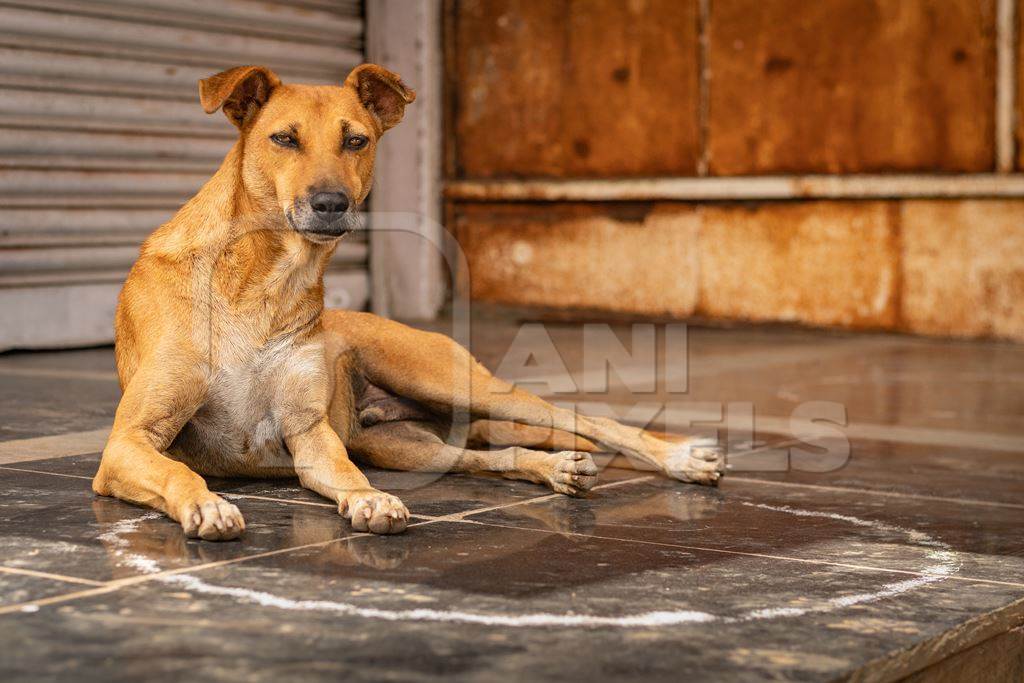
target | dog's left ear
[
  {"x": 382, "y": 93},
  {"x": 240, "y": 92}
]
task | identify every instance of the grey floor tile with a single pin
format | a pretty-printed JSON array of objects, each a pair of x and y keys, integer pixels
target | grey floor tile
[
  {"x": 900, "y": 468},
  {"x": 16, "y": 589},
  {"x": 32, "y": 406},
  {"x": 803, "y": 524},
  {"x": 57, "y": 525}
]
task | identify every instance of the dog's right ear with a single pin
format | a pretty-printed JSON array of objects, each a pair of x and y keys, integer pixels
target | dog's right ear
[
  {"x": 240, "y": 92},
  {"x": 382, "y": 93}
]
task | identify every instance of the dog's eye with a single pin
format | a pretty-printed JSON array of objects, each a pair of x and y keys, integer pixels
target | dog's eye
[
  {"x": 356, "y": 141},
  {"x": 285, "y": 140}
]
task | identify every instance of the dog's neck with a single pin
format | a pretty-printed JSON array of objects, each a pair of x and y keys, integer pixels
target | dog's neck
[{"x": 235, "y": 226}]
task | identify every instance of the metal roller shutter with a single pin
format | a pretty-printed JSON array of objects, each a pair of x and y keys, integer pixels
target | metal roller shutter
[{"x": 102, "y": 139}]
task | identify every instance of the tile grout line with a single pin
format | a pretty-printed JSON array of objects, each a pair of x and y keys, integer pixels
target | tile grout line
[
  {"x": 33, "y": 605},
  {"x": 726, "y": 479},
  {"x": 52, "y": 474},
  {"x": 538, "y": 499},
  {"x": 48, "y": 575},
  {"x": 145, "y": 578},
  {"x": 803, "y": 560},
  {"x": 450, "y": 516}
]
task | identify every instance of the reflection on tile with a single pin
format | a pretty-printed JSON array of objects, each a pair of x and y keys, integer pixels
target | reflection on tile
[
  {"x": 480, "y": 602},
  {"x": 56, "y": 524},
  {"x": 844, "y": 527}
]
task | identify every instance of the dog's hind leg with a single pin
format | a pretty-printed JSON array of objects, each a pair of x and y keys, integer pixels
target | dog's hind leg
[
  {"x": 434, "y": 370},
  {"x": 417, "y": 447},
  {"x": 502, "y": 433}
]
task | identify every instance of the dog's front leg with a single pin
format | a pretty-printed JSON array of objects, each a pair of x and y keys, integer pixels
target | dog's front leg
[
  {"x": 323, "y": 465},
  {"x": 160, "y": 398}
]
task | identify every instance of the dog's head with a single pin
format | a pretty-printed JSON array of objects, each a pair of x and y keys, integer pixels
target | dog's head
[{"x": 310, "y": 149}]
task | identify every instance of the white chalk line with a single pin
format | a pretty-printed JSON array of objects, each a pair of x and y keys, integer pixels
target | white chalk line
[{"x": 946, "y": 564}]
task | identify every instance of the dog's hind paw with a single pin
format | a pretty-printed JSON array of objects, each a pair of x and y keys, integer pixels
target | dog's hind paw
[
  {"x": 698, "y": 461},
  {"x": 571, "y": 472}
]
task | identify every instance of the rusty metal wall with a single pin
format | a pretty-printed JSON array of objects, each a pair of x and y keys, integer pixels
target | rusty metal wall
[
  {"x": 1019, "y": 137},
  {"x": 573, "y": 89},
  {"x": 722, "y": 93},
  {"x": 848, "y": 86}
]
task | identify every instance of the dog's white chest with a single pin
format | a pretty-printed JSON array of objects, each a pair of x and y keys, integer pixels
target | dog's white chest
[{"x": 257, "y": 398}]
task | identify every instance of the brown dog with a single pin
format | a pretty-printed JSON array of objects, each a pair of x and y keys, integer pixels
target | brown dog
[{"x": 230, "y": 366}]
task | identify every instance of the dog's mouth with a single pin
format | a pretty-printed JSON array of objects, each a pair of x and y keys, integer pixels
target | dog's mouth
[{"x": 320, "y": 231}]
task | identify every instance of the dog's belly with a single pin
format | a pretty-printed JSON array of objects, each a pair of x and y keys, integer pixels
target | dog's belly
[{"x": 235, "y": 432}]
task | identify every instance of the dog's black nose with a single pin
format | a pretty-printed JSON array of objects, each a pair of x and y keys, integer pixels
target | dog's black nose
[{"x": 326, "y": 204}]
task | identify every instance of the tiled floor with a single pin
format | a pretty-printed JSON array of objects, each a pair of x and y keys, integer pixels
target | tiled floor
[{"x": 901, "y": 554}]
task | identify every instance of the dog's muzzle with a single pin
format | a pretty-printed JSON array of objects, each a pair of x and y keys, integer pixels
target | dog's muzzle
[{"x": 324, "y": 217}]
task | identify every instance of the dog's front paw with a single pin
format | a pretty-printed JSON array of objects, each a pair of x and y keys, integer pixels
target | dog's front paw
[
  {"x": 698, "y": 462},
  {"x": 211, "y": 518},
  {"x": 374, "y": 511}
]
